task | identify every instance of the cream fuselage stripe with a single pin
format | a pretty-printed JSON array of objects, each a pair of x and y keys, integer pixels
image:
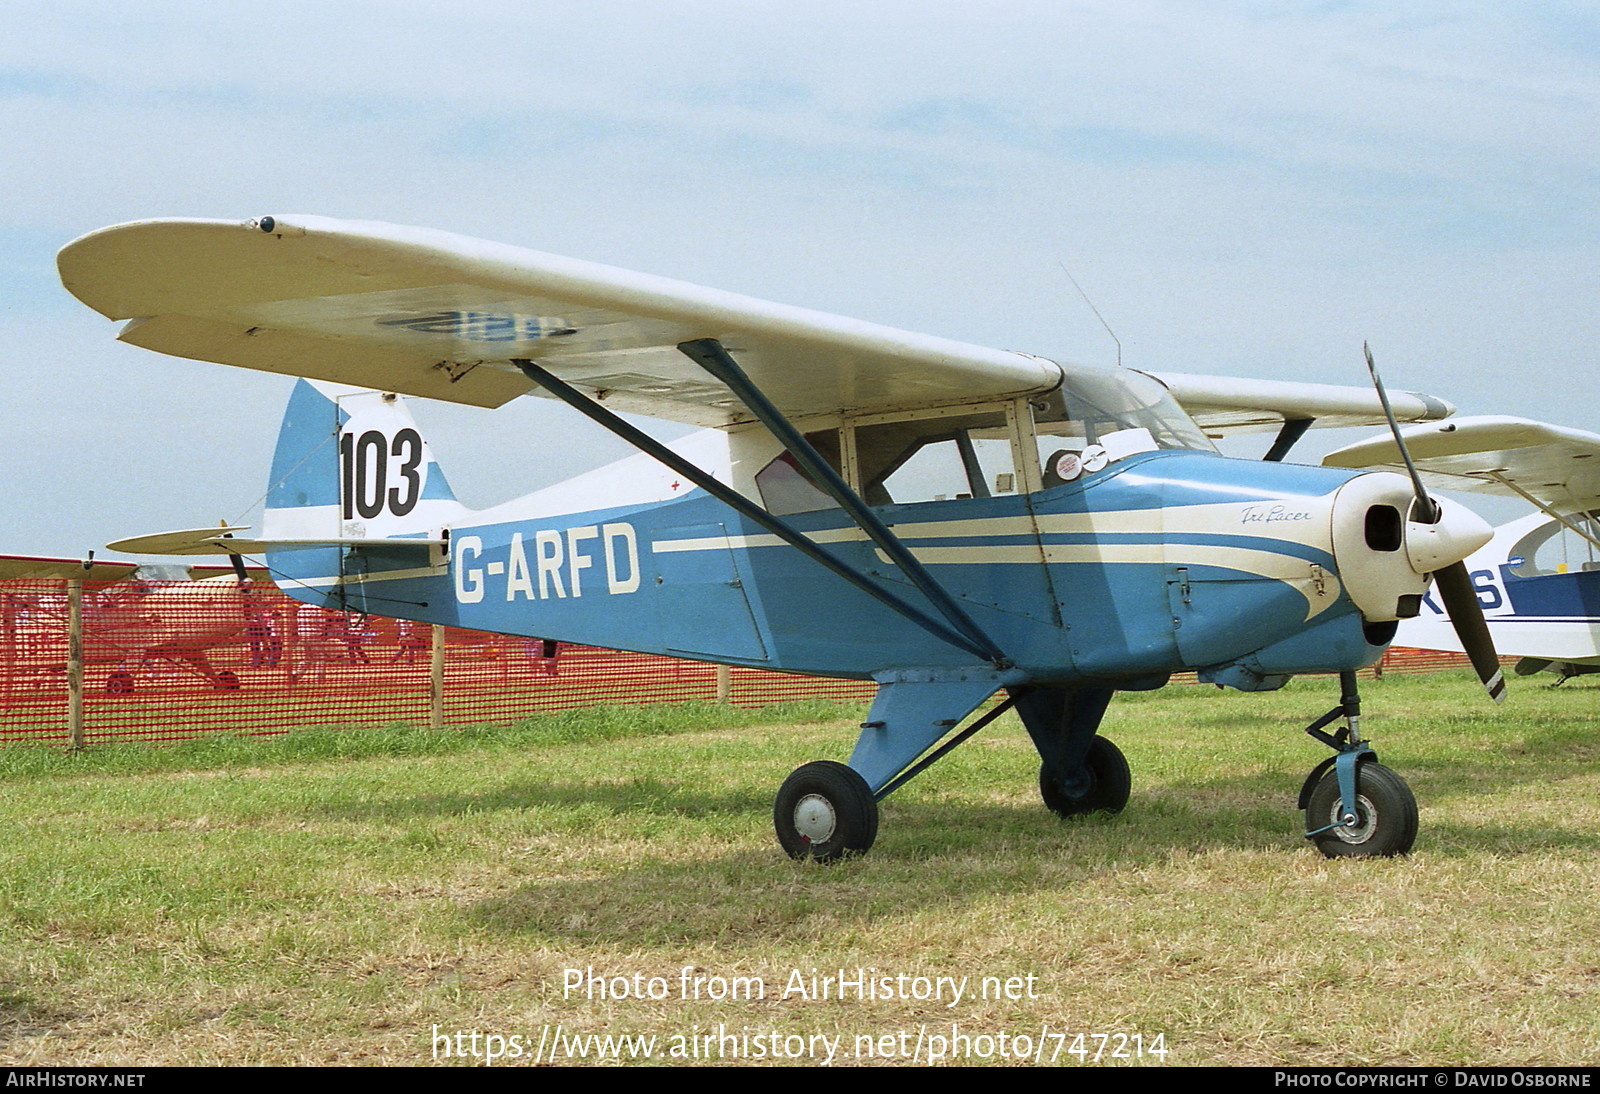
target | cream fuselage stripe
[
  {"x": 1303, "y": 524},
  {"x": 1307, "y": 523}
]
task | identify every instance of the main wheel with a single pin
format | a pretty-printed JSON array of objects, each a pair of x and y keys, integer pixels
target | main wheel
[
  {"x": 1107, "y": 791},
  {"x": 1386, "y": 814},
  {"x": 824, "y": 811}
]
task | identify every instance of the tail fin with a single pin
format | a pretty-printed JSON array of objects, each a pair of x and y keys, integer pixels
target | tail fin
[{"x": 350, "y": 463}]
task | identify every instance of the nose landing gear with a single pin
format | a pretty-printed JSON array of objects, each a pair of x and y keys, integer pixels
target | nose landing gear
[{"x": 1355, "y": 806}]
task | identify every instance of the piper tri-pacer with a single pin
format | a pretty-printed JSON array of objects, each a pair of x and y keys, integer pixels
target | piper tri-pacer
[{"x": 947, "y": 520}]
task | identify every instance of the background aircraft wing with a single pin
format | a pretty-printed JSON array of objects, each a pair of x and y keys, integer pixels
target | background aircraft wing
[
  {"x": 438, "y": 315},
  {"x": 1223, "y": 404},
  {"x": 39, "y": 566},
  {"x": 1551, "y": 466}
]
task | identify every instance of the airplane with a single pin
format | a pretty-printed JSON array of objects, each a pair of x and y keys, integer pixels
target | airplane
[
  {"x": 135, "y": 614},
  {"x": 946, "y": 520},
  {"x": 1538, "y": 580}
]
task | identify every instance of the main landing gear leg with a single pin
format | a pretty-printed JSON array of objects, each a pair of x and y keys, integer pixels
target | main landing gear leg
[
  {"x": 826, "y": 810},
  {"x": 1079, "y": 771},
  {"x": 1355, "y": 806}
]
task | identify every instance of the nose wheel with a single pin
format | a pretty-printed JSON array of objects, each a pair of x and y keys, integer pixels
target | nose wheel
[
  {"x": 1355, "y": 807},
  {"x": 825, "y": 811},
  {"x": 1382, "y": 822}
]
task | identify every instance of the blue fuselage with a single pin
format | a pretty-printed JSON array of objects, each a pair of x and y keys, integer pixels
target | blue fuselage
[{"x": 1162, "y": 562}]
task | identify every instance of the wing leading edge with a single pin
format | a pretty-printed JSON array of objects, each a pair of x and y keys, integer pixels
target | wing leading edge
[{"x": 442, "y": 316}]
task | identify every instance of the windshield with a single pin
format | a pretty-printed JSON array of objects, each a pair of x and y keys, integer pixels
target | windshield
[{"x": 1090, "y": 404}]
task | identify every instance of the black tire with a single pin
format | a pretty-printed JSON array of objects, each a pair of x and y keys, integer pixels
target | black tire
[
  {"x": 1108, "y": 790},
  {"x": 1385, "y": 805},
  {"x": 825, "y": 811}
]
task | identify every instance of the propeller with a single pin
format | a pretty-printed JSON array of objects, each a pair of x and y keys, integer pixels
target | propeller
[{"x": 1452, "y": 581}]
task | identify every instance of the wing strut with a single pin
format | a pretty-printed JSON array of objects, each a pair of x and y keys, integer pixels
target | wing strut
[
  {"x": 1547, "y": 510},
  {"x": 1293, "y": 429},
  {"x": 743, "y": 505},
  {"x": 710, "y": 355}
]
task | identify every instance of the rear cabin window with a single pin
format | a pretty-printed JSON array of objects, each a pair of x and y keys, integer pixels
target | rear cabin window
[{"x": 786, "y": 489}]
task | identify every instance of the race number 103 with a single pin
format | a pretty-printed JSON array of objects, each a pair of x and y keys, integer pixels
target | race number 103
[{"x": 369, "y": 463}]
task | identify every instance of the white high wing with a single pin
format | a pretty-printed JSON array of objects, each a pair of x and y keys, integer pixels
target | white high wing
[{"x": 428, "y": 313}]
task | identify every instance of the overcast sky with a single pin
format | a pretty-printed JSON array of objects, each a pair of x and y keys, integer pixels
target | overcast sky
[{"x": 1243, "y": 188}]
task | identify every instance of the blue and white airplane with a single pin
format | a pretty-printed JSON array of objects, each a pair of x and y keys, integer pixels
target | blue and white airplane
[
  {"x": 1538, "y": 580},
  {"x": 947, "y": 520}
]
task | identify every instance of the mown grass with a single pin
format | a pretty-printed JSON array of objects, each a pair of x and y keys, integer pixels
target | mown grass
[{"x": 341, "y": 896}]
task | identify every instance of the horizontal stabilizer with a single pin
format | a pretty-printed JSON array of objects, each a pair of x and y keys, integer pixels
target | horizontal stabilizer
[
  {"x": 22, "y": 567},
  {"x": 222, "y": 541}
]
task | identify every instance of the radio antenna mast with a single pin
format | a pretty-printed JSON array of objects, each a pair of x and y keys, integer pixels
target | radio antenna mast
[{"x": 1094, "y": 309}]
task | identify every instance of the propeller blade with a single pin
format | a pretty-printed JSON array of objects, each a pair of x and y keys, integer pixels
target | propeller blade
[
  {"x": 1466, "y": 616},
  {"x": 1427, "y": 511},
  {"x": 1453, "y": 583}
]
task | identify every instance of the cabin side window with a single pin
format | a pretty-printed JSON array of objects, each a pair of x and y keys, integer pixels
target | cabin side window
[
  {"x": 785, "y": 487},
  {"x": 1553, "y": 548},
  {"x": 943, "y": 458}
]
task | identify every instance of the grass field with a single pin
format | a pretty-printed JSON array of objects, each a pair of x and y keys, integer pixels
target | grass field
[{"x": 370, "y": 896}]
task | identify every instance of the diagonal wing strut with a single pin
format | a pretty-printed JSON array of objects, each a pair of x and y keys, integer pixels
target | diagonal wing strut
[
  {"x": 747, "y": 508},
  {"x": 711, "y": 356}
]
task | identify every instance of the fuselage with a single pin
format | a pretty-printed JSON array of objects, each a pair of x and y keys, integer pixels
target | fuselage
[
  {"x": 1164, "y": 561},
  {"x": 1083, "y": 550}
]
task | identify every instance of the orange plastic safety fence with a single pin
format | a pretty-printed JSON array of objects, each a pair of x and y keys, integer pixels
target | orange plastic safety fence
[{"x": 172, "y": 660}]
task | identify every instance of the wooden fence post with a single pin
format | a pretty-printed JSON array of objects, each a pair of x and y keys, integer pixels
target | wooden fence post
[
  {"x": 724, "y": 684},
  {"x": 75, "y": 663},
  {"x": 436, "y": 679},
  {"x": 10, "y": 643}
]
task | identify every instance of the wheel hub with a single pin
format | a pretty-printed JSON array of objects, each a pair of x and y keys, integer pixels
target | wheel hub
[
  {"x": 1365, "y": 825},
  {"x": 1077, "y": 785},
  {"x": 815, "y": 818}
]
